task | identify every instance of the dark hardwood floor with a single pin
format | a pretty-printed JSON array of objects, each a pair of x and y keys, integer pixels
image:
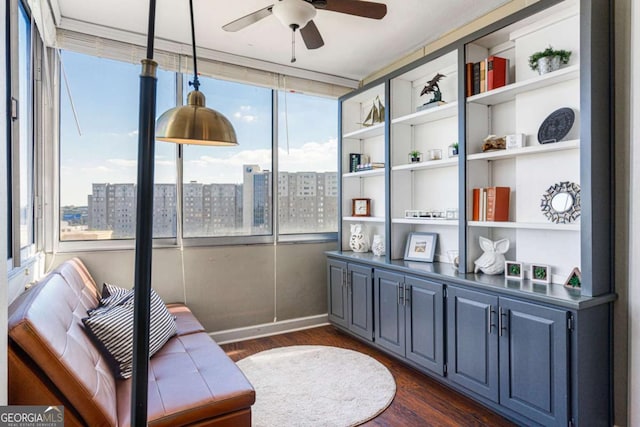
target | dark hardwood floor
[{"x": 419, "y": 400}]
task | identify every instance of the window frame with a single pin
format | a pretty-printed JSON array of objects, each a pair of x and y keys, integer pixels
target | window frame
[
  {"x": 21, "y": 256},
  {"x": 180, "y": 240}
]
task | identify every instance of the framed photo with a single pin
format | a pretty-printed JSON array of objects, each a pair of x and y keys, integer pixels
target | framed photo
[
  {"x": 420, "y": 246},
  {"x": 513, "y": 270},
  {"x": 360, "y": 207},
  {"x": 574, "y": 279},
  {"x": 540, "y": 273}
]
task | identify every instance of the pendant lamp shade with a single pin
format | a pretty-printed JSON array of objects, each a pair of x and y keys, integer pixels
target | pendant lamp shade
[{"x": 196, "y": 124}]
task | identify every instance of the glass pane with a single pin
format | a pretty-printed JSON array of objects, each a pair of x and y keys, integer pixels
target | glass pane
[
  {"x": 227, "y": 190},
  {"x": 25, "y": 114},
  {"x": 99, "y": 150},
  {"x": 307, "y": 163}
]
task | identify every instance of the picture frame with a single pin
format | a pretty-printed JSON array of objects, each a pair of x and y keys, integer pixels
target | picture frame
[
  {"x": 420, "y": 246},
  {"x": 574, "y": 281},
  {"x": 540, "y": 273},
  {"x": 361, "y": 207},
  {"x": 513, "y": 270}
]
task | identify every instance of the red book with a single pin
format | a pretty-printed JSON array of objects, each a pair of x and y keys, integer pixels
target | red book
[
  {"x": 496, "y": 72},
  {"x": 498, "y": 203},
  {"x": 476, "y": 205}
]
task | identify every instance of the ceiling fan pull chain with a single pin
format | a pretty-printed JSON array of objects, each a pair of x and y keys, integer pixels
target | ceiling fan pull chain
[{"x": 293, "y": 45}]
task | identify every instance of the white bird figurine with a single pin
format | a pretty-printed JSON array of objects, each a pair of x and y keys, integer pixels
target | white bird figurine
[{"x": 492, "y": 260}]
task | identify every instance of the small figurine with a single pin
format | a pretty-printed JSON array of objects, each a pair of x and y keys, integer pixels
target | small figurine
[
  {"x": 432, "y": 87},
  {"x": 358, "y": 241},
  {"x": 492, "y": 260}
]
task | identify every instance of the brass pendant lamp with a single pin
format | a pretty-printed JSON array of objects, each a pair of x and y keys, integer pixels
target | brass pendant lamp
[{"x": 194, "y": 123}]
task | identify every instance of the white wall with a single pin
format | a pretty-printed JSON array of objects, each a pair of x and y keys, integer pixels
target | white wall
[{"x": 3, "y": 217}]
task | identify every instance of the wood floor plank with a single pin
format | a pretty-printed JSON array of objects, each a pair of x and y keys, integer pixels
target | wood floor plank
[{"x": 419, "y": 400}]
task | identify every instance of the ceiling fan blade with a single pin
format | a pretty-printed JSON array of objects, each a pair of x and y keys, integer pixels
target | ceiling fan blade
[
  {"x": 311, "y": 36},
  {"x": 366, "y": 9},
  {"x": 247, "y": 20}
]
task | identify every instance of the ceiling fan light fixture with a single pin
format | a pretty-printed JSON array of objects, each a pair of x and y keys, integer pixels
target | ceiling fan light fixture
[{"x": 294, "y": 13}]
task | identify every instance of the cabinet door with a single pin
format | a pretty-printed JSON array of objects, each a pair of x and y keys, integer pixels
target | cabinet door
[
  {"x": 360, "y": 303},
  {"x": 533, "y": 361},
  {"x": 472, "y": 341},
  {"x": 337, "y": 290},
  {"x": 389, "y": 311},
  {"x": 424, "y": 323}
]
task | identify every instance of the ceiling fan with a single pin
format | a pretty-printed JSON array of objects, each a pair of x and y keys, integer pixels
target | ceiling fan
[{"x": 299, "y": 14}]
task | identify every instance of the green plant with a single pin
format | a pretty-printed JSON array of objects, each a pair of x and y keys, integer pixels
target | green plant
[
  {"x": 564, "y": 56},
  {"x": 540, "y": 273},
  {"x": 574, "y": 281},
  {"x": 414, "y": 154},
  {"x": 455, "y": 145},
  {"x": 514, "y": 269}
]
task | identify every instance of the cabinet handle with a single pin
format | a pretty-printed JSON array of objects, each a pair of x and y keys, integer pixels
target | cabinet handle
[
  {"x": 400, "y": 292},
  {"x": 502, "y": 321},
  {"x": 490, "y": 323},
  {"x": 407, "y": 295},
  {"x": 344, "y": 277}
]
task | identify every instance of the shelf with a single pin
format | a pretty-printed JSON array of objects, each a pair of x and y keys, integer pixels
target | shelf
[
  {"x": 429, "y": 164},
  {"x": 534, "y": 149},
  {"x": 509, "y": 92},
  {"x": 418, "y": 221},
  {"x": 428, "y": 115},
  {"x": 364, "y": 174},
  {"x": 363, "y": 218},
  {"x": 366, "y": 132},
  {"x": 526, "y": 225}
]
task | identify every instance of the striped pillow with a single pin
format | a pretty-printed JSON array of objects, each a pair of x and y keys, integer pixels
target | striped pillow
[{"x": 111, "y": 327}]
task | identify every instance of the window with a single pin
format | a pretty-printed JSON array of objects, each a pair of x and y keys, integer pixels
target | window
[
  {"x": 20, "y": 143},
  {"x": 307, "y": 164},
  {"x": 99, "y": 149},
  {"x": 227, "y": 190}
]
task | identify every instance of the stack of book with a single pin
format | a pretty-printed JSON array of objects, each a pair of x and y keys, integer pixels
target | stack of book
[
  {"x": 488, "y": 74},
  {"x": 491, "y": 204}
]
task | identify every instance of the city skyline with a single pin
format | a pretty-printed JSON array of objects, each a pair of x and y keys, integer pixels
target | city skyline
[{"x": 307, "y": 202}]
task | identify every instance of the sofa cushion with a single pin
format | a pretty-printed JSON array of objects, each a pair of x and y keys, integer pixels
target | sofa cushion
[
  {"x": 112, "y": 329},
  {"x": 45, "y": 324},
  {"x": 191, "y": 379}
]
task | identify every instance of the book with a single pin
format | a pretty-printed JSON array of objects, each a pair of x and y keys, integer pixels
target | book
[
  {"x": 497, "y": 72},
  {"x": 354, "y": 161},
  {"x": 469, "y": 78},
  {"x": 483, "y": 76},
  {"x": 497, "y": 207},
  {"x": 475, "y": 214},
  {"x": 476, "y": 78}
]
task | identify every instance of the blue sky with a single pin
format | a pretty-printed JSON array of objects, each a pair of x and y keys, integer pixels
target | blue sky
[{"x": 105, "y": 95}]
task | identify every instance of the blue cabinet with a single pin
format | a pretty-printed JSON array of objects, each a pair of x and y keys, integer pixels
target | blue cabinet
[
  {"x": 409, "y": 315},
  {"x": 512, "y": 352},
  {"x": 350, "y": 297}
]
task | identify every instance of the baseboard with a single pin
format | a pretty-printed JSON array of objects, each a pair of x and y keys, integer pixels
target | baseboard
[{"x": 267, "y": 329}]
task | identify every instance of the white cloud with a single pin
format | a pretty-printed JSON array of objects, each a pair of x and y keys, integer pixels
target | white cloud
[{"x": 245, "y": 114}]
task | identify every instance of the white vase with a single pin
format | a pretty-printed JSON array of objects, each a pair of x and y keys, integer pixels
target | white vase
[
  {"x": 358, "y": 241},
  {"x": 377, "y": 247}
]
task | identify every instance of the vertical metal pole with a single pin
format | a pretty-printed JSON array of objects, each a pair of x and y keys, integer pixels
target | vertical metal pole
[{"x": 144, "y": 230}]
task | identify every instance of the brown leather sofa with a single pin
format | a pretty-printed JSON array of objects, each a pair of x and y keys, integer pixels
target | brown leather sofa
[{"x": 52, "y": 361}]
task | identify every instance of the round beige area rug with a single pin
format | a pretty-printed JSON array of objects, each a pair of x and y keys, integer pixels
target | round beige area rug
[{"x": 316, "y": 386}]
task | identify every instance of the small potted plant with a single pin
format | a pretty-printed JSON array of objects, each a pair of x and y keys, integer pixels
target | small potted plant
[
  {"x": 453, "y": 149},
  {"x": 548, "y": 60},
  {"x": 415, "y": 156}
]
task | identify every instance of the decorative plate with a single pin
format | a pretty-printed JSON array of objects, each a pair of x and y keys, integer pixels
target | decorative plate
[{"x": 556, "y": 126}]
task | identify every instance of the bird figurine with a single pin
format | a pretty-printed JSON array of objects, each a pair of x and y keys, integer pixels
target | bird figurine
[
  {"x": 492, "y": 260},
  {"x": 432, "y": 87}
]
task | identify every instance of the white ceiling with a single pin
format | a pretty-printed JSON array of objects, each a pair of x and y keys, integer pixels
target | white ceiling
[{"x": 354, "y": 47}]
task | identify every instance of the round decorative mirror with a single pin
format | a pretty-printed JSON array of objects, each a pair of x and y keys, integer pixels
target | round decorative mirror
[{"x": 561, "y": 202}]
